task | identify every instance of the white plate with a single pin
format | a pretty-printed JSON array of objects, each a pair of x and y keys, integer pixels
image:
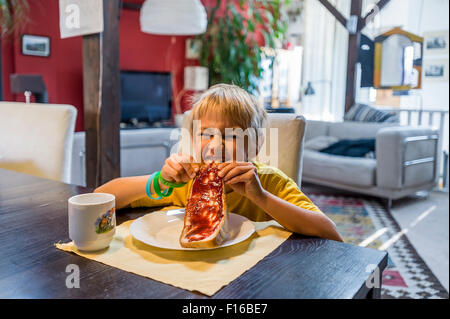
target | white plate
[{"x": 163, "y": 229}]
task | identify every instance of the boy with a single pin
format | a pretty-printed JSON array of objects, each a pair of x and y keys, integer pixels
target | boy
[{"x": 253, "y": 189}]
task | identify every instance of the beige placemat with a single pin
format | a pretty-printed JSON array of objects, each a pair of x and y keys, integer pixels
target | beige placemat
[{"x": 205, "y": 271}]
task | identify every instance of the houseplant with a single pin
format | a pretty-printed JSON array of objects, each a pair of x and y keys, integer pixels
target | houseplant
[
  {"x": 231, "y": 45},
  {"x": 13, "y": 15}
]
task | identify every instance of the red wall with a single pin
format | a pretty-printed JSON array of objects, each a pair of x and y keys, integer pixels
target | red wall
[
  {"x": 146, "y": 52},
  {"x": 62, "y": 71}
]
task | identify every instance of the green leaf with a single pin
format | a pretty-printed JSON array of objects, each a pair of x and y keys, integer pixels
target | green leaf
[
  {"x": 259, "y": 18},
  {"x": 251, "y": 26},
  {"x": 269, "y": 17},
  {"x": 226, "y": 49}
]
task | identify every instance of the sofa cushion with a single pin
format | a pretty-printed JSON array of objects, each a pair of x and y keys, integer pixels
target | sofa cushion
[
  {"x": 316, "y": 128},
  {"x": 355, "y": 130},
  {"x": 341, "y": 169},
  {"x": 320, "y": 142},
  {"x": 366, "y": 113}
]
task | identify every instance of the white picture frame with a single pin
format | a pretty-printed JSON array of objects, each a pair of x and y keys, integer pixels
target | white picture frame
[
  {"x": 193, "y": 47},
  {"x": 35, "y": 45},
  {"x": 436, "y": 70},
  {"x": 436, "y": 43}
]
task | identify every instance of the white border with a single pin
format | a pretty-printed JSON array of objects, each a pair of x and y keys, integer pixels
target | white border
[
  {"x": 29, "y": 37},
  {"x": 443, "y": 78}
]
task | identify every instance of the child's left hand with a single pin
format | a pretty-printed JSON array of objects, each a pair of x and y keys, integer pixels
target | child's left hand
[{"x": 242, "y": 177}]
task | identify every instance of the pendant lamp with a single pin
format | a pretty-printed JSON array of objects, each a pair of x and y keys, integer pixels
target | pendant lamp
[{"x": 173, "y": 17}]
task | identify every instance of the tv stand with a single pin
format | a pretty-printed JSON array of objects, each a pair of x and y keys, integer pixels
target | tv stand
[{"x": 145, "y": 125}]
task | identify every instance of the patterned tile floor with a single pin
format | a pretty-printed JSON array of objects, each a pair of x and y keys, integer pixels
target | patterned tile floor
[
  {"x": 365, "y": 222},
  {"x": 427, "y": 222}
]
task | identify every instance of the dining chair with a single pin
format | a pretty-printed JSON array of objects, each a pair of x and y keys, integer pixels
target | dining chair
[
  {"x": 290, "y": 130},
  {"x": 36, "y": 139}
]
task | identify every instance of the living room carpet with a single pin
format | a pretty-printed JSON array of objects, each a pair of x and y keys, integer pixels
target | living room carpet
[{"x": 366, "y": 222}]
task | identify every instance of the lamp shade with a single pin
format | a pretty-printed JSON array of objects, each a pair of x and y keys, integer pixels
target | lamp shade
[
  {"x": 173, "y": 17},
  {"x": 309, "y": 89}
]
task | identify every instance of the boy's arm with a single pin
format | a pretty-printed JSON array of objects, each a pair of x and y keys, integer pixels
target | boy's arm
[
  {"x": 176, "y": 168},
  {"x": 127, "y": 189},
  {"x": 243, "y": 178},
  {"x": 297, "y": 219}
]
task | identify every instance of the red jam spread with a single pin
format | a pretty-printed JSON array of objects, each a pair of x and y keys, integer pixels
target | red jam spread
[{"x": 204, "y": 207}]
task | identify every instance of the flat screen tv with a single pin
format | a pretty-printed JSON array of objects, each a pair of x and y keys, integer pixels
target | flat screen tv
[{"x": 145, "y": 96}]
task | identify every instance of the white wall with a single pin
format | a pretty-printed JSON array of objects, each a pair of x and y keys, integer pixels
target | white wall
[
  {"x": 433, "y": 17},
  {"x": 418, "y": 17},
  {"x": 325, "y": 49}
]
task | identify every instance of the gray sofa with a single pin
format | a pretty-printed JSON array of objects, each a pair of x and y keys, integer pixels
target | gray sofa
[{"x": 406, "y": 159}]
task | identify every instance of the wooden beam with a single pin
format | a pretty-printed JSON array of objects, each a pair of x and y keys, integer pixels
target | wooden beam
[
  {"x": 380, "y": 5},
  {"x": 334, "y": 12},
  {"x": 352, "y": 57},
  {"x": 101, "y": 92}
]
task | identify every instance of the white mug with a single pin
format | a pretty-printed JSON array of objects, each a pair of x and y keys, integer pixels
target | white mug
[{"x": 92, "y": 220}]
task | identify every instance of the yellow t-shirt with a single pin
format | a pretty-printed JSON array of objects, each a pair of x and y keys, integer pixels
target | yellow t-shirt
[{"x": 272, "y": 180}]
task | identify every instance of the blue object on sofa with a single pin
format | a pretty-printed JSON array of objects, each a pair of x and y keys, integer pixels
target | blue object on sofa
[{"x": 352, "y": 148}]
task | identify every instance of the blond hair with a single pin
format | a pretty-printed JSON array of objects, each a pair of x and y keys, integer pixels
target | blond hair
[{"x": 231, "y": 102}]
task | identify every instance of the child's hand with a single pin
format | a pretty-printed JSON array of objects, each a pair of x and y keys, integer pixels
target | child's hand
[
  {"x": 179, "y": 168},
  {"x": 242, "y": 178}
]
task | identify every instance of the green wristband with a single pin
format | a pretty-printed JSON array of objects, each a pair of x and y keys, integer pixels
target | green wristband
[
  {"x": 170, "y": 184},
  {"x": 157, "y": 189},
  {"x": 147, "y": 187}
]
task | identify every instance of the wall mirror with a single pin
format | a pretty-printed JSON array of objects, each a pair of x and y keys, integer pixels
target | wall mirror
[{"x": 398, "y": 60}]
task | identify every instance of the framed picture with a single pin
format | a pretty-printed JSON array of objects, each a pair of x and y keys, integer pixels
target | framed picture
[
  {"x": 193, "y": 48},
  {"x": 35, "y": 45},
  {"x": 436, "y": 43},
  {"x": 436, "y": 70}
]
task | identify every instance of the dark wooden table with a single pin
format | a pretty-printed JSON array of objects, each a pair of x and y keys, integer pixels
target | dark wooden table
[{"x": 33, "y": 216}]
